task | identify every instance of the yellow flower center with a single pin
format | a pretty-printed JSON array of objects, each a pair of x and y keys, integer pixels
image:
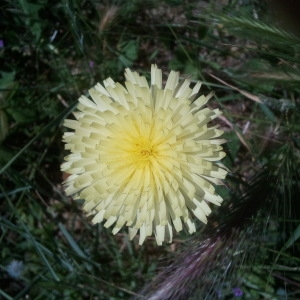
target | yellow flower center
[
  {"x": 147, "y": 152},
  {"x": 143, "y": 150}
]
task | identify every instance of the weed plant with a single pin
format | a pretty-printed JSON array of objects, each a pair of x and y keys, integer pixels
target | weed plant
[{"x": 52, "y": 52}]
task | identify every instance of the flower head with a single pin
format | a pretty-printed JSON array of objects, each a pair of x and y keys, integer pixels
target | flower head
[{"x": 144, "y": 157}]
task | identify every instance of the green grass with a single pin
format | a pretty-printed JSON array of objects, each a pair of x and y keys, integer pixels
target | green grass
[{"x": 54, "y": 52}]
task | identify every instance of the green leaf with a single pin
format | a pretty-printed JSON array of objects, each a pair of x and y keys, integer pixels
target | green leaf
[
  {"x": 5, "y": 296},
  {"x": 268, "y": 112},
  {"x": 295, "y": 236},
  {"x": 31, "y": 18},
  {"x": 41, "y": 253},
  {"x": 22, "y": 115},
  {"x": 129, "y": 53},
  {"x": 7, "y": 79},
  {"x": 71, "y": 241}
]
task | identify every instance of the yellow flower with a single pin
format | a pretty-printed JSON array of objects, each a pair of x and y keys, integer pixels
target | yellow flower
[{"x": 145, "y": 157}]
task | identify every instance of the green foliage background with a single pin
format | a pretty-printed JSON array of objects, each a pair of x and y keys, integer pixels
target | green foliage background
[{"x": 52, "y": 52}]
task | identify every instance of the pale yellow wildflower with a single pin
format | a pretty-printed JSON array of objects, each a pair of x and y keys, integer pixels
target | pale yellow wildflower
[{"x": 145, "y": 157}]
